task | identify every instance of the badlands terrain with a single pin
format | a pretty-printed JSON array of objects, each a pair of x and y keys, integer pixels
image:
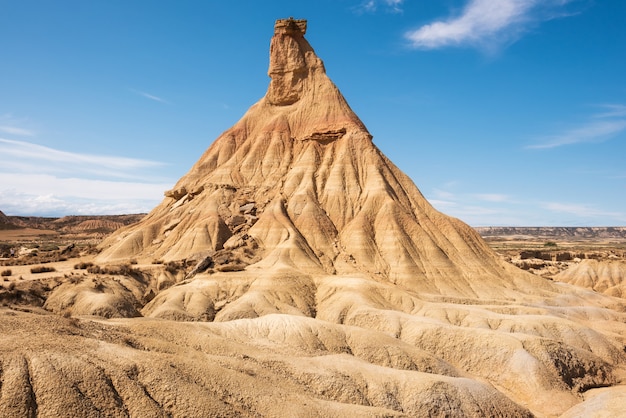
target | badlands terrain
[{"x": 295, "y": 271}]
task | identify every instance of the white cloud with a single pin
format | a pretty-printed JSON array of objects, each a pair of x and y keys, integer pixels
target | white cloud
[
  {"x": 20, "y": 204},
  {"x": 484, "y": 23},
  {"x": 598, "y": 128},
  {"x": 45, "y": 184},
  {"x": 38, "y": 180},
  {"x": 41, "y": 194}
]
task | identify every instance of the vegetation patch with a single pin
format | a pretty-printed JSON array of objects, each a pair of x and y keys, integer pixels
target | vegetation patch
[
  {"x": 42, "y": 269},
  {"x": 83, "y": 265},
  {"x": 116, "y": 270}
]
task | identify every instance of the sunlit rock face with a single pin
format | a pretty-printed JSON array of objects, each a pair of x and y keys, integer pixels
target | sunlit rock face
[{"x": 325, "y": 199}]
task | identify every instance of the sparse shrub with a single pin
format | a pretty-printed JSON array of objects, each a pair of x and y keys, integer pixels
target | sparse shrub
[
  {"x": 6, "y": 272},
  {"x": 157, "y": 261},
  {"x": 126, "y": 269},
  {"x": 92, "y": 249},
  {"x": 133, "y": 261},
  {"x": 42, "y": 269},
  {"x": 94, "y": 269},
  {"x": 83, "y": 265},
  {"x": 121, "y": 270},
  {"x": 550, "y": 244}
]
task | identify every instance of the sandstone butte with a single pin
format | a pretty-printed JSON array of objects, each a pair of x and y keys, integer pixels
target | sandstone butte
[{"x": 326, "y": 285}]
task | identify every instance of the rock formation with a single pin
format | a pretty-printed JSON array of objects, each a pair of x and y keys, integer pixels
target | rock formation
[{"x": 299, "y": 184}]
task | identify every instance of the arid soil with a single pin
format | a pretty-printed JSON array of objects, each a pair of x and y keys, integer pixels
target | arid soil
[
  {"x": 360, "y": 348},
  {"x": 296, "y": 271}
]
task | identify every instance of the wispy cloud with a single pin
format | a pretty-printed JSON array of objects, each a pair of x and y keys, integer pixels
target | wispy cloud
[
  {"x": 444, "y": 194},
  {"x": 115, "y": 198},
  {"x": 11, "y": 126},
  {"x": 13, "y": 130},
  {"x": 612, "y": 111},
  {"x": 486, "y": 23},
  {"x": 149, "y": 96},
  {"x": 598, "y": 128},
  {"x": 499, "y": 209},
  {"x": 493, "y": 197},
  {"x": 586, "y": 212},
  {"x": 38, "y": 158},
  {"x": 39, "y": 180},
  {"x": 372, "y": 6}
]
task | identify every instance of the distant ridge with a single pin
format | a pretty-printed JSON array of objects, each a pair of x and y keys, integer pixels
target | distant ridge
[
  {"x": 5, "y": 222},
  {"x": 82, "y": 223},
  {"x": 554, "y": 231}
]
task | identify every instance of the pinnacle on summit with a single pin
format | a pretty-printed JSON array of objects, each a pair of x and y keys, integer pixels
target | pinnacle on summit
[
  {"x": 292, "y": 60},
  {"x": 291, "y": 26}
]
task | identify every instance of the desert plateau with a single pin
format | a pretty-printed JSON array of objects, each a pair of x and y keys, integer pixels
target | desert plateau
[{"x": 295, "y": 271}]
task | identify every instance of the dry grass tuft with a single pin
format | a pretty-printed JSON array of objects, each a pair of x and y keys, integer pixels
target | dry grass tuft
[{"x": 42, "y": 269}]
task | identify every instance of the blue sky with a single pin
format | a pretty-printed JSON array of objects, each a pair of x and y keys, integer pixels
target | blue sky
[{"x": 503, "y": 112}]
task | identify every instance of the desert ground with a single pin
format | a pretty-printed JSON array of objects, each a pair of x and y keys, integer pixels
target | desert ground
[
  {"x": 295, "y": 271},
  {"x": 88, "y": 338}
]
